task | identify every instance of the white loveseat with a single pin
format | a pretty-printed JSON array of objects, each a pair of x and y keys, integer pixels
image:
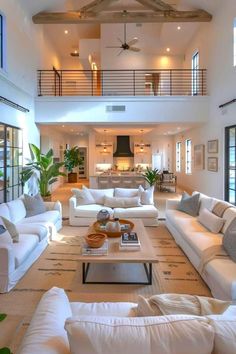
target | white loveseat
[
  {"x": 199, "y": 244},
  {"x": 34, "y": 234},
  {"x": 85, "y": 215},
  {"x": 105, "y": 328}
]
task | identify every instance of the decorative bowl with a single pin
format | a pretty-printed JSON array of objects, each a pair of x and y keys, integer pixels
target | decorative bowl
[
  {"x": 99, "y": 227},
  {"x": 95, "y": 240}
]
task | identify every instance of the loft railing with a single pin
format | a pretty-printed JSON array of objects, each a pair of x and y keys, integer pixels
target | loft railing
[{"x": 173, "y": 82}]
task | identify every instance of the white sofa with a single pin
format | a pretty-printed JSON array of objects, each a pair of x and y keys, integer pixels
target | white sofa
[
  {"x": 105, "y": 328},
  {"x": 85, "y": 215},
  {"x": 198, "y": 243},
  {"x": 34, "y": 234}
]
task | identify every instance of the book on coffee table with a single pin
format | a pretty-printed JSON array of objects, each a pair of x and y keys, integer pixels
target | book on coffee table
[
  {"x": 89, "y": 251},
  {"x": 130, "y": 239}
]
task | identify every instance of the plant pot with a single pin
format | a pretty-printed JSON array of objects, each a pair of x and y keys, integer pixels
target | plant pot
[
  {"x": 72, "y": 177},
  {"x": 48, "y": 198}
]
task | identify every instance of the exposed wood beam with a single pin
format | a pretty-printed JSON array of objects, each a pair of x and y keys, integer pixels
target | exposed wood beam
[
  {"x": 156, "y": 5},
  {"x": 121, "y": 17},
  {"x": 96, "y": 6}
]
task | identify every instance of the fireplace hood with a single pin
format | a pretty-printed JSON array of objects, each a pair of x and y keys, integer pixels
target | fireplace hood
[{"x": 123, "y": 147}]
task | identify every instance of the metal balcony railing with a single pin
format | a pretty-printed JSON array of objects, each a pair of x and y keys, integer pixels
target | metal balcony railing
[{"x": 173, "y": 82}]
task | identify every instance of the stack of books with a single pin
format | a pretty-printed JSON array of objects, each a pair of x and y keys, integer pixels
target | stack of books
[
  {"x": 129, "y": 241},
  {"x": 89, "y": 251}
]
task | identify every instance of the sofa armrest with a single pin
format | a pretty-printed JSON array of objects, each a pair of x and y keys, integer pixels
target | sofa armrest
[
  {"x": 53, "y": 206},
  {"x": 72, "y": 203},
  {"x": 172, "y": 204},
  {"x": 7, "y": 260}
]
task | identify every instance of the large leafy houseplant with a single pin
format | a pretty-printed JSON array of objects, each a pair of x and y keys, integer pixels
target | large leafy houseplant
[
  {"x": 4, "y": 350},
  {"x": 44, "y": 168},
  {"x": 72, "y": 159},
  {"x": 151, "y": 176}
]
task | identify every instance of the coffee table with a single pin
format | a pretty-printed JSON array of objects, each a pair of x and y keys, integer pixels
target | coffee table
[{"x": 145, "y": 256}]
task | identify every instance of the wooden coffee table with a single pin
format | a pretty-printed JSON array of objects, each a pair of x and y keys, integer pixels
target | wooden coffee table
[{"x": 145, "y": 255}]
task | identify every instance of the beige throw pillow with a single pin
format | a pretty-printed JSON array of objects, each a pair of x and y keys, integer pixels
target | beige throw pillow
[
  {"x": 83, "y": 196},
  {"x": 210, "y": 221},
  {"x": 115, "y": 202},
  {"x": 11, "y": 228},
  {"x": 5, "y": 236}
]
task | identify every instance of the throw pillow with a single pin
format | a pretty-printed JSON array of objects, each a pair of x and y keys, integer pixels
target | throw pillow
[
  {"x": 229, "y": 240},
  {"x": 220, "y": 207},
  {"x": 99, "y": 194},
  {"x": 34, "y": 205},
  {"x": 113, "y": 202},
  {"x": 210, "y": 221},
  {"x": 11, "y": 228},
  {"x": 83, "y": 196},
  {"x": 147, "y": 335},
  {"x": 127, "y": 192},
  {"x": 189, "y": 204},
  {"x": 146, "y": 196},
  {"x": 5, "y": 237}
]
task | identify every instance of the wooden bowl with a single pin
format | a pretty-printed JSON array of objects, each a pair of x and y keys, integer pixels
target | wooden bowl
[
  {"x": 97, "y": 228},
  {"x": 95, "y": 240}
]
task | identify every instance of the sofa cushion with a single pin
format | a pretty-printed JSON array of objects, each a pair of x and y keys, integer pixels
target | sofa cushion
[
  {"x": 24, "y": 247},
  {"x": 229, "y": 240},
  {"x": 90, "y": 211},
  {"x": 46, "y": 333},
  {"x": 99, "y": 194},
  {"x": 126, "y": 192},
  {"x": 5, "y": 236},
  {"x": 146, "y": 196},
  {"x": 146, "y": 211},
  {"x": 49, "y": 216},
  {"x": 4, "y": 211},
  {"x": 118, "y": 309},
  {"x": 83, "y": 196},
  {"x": 34, "y": 205},
  {"x": 11, "y": 228},
  {"x": 125, "y": 202},
  {"x": 17, "y": 210},
  {"x": 149, "y": 335},
  {"x": 205, "y": 201},
  {"x": 212, "y": 222},
  {"x": 229, "y": 215},
  {"x": 225, "y": 334},
  {"x": 37, "y": 229},
  {"x": 220, "y": 207},
  {"x": 189, "y": 204}
]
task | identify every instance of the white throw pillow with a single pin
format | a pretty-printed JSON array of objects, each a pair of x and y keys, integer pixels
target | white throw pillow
[
  {"x": 114, "y": 202},
  {"x": 225, "y": 334},
  {"x": 11, "y": 228},
  {"x": 99, "y": 194},
  {"x": 83, "y": 196},
  {"x": 179, "y": 334},
  {"x": 5, "y": 237},
  {"x": 210, "y": 221},
  {"x": 147, "y": 195},
  {"x": 127, "y": 192}
]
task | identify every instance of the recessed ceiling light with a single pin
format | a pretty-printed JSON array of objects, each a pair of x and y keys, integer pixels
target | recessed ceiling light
[
  {"x": 63, "y": 126},
  {"x": 168, "y": 49},
  {"x": 72, "y": 130},
  {"x": 76, "y": 51},
  {"x": 178, "y": 28},
  {"x": 66, "y": 31}
]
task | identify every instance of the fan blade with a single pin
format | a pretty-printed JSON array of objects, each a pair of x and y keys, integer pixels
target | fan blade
[
  {"x": 120, "y": 52},
  {"x": 132, "y": 42},
  {"x": 114, "y": 47},
  {"x": 134, "y": 49},
  {"x": 119, "y": 40}
]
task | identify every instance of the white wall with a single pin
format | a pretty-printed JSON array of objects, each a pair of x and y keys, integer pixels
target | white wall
[{"x": 215, "y": 39}]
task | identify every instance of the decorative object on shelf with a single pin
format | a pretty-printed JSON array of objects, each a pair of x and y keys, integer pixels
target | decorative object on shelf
[
  {"x": 199, "y": 157},
  {"x": 95, "y": 240},
  {"x": 104, "y": 144},
  {"x": 141, "y": 144},
  {"x": 212, "y": 164},
  {"x": 44, "y": 169},
  {"x": 152, "y": 176},
  {"x": 72, "y": 159},
  {"x": 103, "y": 216},
  {"x": 212, "y": 146},
  {"x": 125, "y": 226}
]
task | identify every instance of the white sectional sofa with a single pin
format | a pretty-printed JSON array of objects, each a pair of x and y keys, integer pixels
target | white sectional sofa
[
  {"x": 203, "y": 248},
  {"x": 85, "y": 214},
  {"x": 105, "y": 328},
  {"x": 34, "y": 235}
]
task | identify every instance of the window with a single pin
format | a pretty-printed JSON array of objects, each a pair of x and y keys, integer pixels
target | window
[
  {"x": 11, "y": 161},
  {"x": 230, "y": 164},
  {"x": 235, "y": 42},
  {"x": 195, "y": 74},
  {"x": 1, "y": 41},
  {"x": 188, "y": 156},
  {"x": 178, "y": 156}
]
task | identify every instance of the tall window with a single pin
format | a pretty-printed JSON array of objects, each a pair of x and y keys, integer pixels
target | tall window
[
  {"x": 195, "y": 73},
  {"x": 178, "y": 156},
  {"x": 188, "y": 156},
  {"x": 1, "y": 41},
  {"x": 230, "y": 164},
  {"x": 11, "y": 161}
]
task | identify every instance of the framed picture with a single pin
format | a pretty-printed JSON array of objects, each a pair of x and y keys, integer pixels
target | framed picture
[
  {"x": 212, "y": 164},
  {"x": 199, "y": 157},
  {"x": 212, "y": 146}
]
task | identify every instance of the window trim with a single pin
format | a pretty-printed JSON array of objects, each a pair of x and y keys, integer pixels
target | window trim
[
  {"x": 178, "y": 156},
  {"x": 188, "y": 157},
  {"x": 227, "y": 169},
  {"x": 195, "y": 73}
]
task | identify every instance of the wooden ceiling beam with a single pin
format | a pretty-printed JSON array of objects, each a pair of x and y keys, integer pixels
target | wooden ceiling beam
[
  {"x": 121, "y": 17},
  {"x": 97, "y": 6},
  {"x": 156, "y": 5}
]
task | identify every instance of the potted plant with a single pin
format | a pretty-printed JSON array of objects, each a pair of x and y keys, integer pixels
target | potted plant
[
  {"x": 151, "y": 176},
  {"x": 45, "y": 170},
  {"x": 72, "y": 159}
]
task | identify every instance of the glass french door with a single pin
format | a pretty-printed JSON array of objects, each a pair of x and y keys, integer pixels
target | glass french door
[{"x": 230, "y": 164}]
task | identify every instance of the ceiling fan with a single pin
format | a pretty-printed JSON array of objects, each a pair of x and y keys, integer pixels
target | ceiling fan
[{"x": 126, "y": 45}]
